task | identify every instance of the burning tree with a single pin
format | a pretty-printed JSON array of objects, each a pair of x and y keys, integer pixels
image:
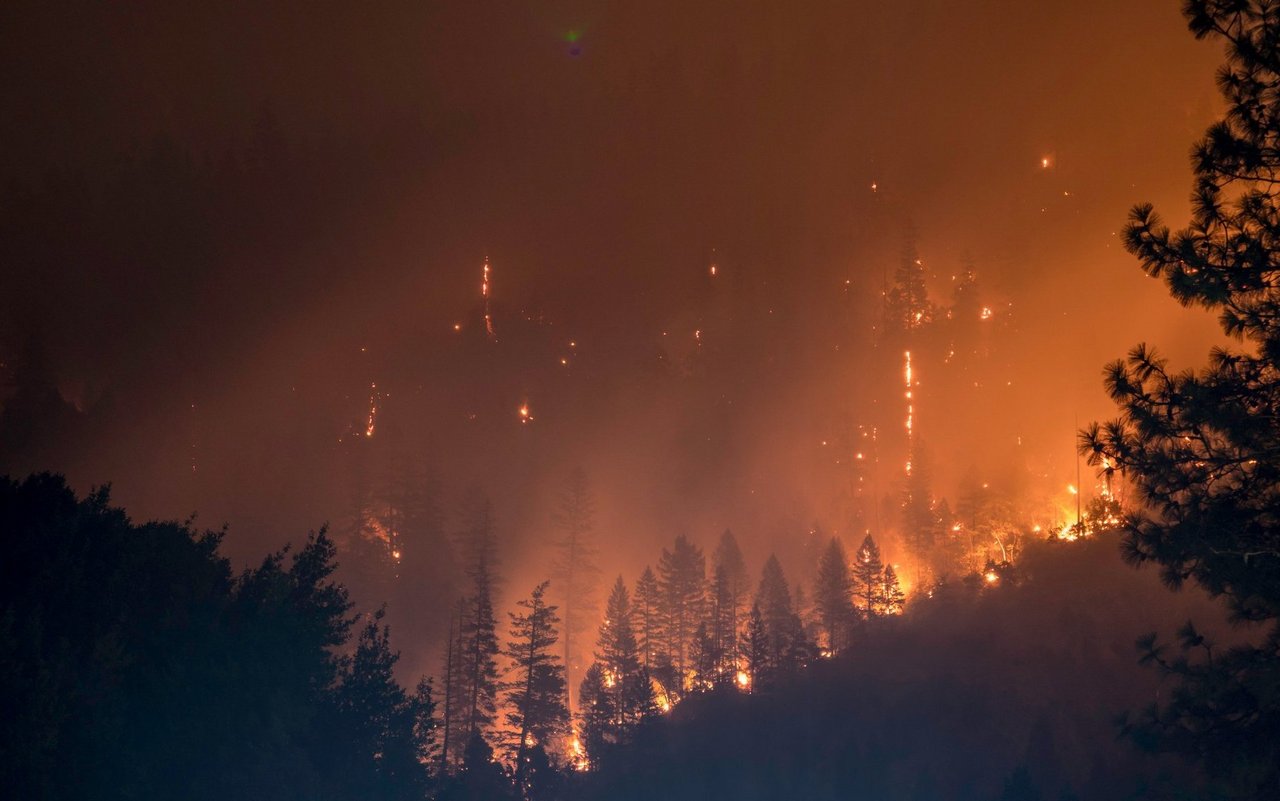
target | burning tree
[{"x": 1202, "y": 448}]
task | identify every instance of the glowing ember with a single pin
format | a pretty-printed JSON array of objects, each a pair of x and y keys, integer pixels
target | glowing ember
[
  {"x": 525, "y": 415},
  {"x": 373, "y": 410},
  {"x": 485, "y": 291}
]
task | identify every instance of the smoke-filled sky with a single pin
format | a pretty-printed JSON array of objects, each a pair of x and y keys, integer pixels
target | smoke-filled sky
[{"x": 224, "y": 223}]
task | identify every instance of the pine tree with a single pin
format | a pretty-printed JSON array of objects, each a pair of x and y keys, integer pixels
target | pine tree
[
  {"x": 787, "y": 647},
  {"x": 891, "y": 593},
  {"x": 648, "y": 612},
  {"x": 921, "y": 524},
  {"x": 868, "y": 574},
  {"x": 478, "y": 668},
  {"x": 453, "y": 683},
  {"x": 535, "y": 694},
  {"x": 574, "y": 570},
  {"x": 1202, "y": 449},
  {"x": 833, "y": 595},
  {"x": 755, "y": 648},
  {"x": 731, "y": 592},
  {"x": 682, "y": 578},
  {"x": 386, "y": 732},
  {"x": 596, "y": 715},
  {"x": 907, "y": 305},
  {"x": 617, "y": 653},
  {"x": 721, "y": 636}
]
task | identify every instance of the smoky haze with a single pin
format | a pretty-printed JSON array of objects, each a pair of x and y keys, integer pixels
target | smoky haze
[{"x": 228, "y": 232}]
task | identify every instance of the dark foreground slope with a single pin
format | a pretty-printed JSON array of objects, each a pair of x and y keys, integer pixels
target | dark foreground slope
[{"x": 978, "y": 693}]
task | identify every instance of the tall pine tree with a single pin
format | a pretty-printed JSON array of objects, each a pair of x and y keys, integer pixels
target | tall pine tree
[
  {"x": 682, "y": 578},
  {"x": 1202, "y": 448},
  {"x": 833, "y": 595},
  {"x": 535, "y": 694},
  {"x": 574, "y": 568},
  {"x": 868, "y": 572}
]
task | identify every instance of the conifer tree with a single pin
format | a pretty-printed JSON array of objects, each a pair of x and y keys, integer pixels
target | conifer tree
[
  {"x": 386, "y": 733},
  {"x": 535, "y": 694},
  {"x": 618, "y": 655},
  {"x": 868, "y": 572},
  {"x": 596, "y": 715},
  {"x": 787, "y": 647},
  {"x": 892, "y": 594},
  {"x": 721, "y": 635},
  {"x": 833, "y": 595},
  {"x": 478, "y": 668},
  {"x": 648, "y": 619},
  {"x": 755, "y": 648},
  {"x": 574, "y": 569},
  {"x": 1202, "y": 448},
  {"x": 921, "y": 524},
  {"x": 453, "y": 683},
  {"x": 907, "y": 305},
  {"x": 682, "y": 579},
  {"x": 732, "y": 595}
]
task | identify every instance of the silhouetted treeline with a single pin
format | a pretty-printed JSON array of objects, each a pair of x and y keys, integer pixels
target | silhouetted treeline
[
  {"x": 134, "y": 664},
  {"x": 979, "y": 692}
]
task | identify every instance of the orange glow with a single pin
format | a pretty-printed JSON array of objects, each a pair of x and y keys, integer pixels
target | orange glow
[{"x": 373, "y": 411}]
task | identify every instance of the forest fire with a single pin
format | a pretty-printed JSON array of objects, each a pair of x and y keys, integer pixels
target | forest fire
[{"x": 815, "y": 504}]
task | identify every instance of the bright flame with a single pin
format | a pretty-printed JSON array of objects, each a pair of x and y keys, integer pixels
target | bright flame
[
  {"x": 986, "y": 313},
  {"x": 373, "y": 410},
  {"x": 485, "y": 291},
  {"x": 908, "y": 378},
  {"x": 525, "y": 415},
  {"x": 991, "y": 576},
  {"x": 577, "y": 754},
  {"x": 743, "y": 679}
]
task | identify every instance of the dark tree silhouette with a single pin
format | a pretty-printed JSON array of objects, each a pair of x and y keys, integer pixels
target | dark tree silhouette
[
  {"x": 891, "y": 593},
  {"x": 478, "y": 669},
  {"x": 135, "y": 665},
  {"x": 535, "y": 694},
  {"x": 626, "y": 680},
  {"x": 648, "y": 611},
  {"x": 1202, "y": 448},
  {"x": 596, "y": 714},
  {"x": 382, "y": 737},
  {"x": 730, "y": 593},
  {"x": 787, "y": 646},
  {"x": 682, "y": 578},
  {"x": 755, "y": 647},
  {"x": 574, "y": 568},
  {"x": 868, "y": 573},
  {"x": 833, "y": 595}
]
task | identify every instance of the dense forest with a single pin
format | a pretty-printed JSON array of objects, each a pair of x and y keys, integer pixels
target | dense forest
[{"x": 987, "y": 647}]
